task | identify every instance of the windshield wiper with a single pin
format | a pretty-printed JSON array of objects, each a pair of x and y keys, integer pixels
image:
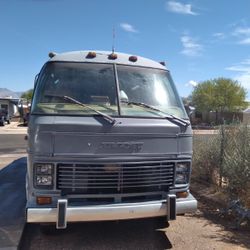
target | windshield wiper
[
  {"x": 174, "y": 119},
  {"x": 105, "y": 116}
]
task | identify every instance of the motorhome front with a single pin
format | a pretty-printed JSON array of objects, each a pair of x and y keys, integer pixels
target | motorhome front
[{"x": 108, "y": 139}]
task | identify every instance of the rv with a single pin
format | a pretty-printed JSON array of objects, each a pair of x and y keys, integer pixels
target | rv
[{"x": 108, "y": 139}]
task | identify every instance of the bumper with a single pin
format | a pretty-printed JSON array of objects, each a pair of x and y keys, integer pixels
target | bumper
[{"x": 112, "y": 211}]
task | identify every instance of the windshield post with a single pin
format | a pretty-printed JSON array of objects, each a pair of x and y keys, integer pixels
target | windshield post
[{"x": 117, "y": 90}]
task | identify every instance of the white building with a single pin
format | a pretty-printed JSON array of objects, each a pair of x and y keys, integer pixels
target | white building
[{"x": 10, "y": 104}]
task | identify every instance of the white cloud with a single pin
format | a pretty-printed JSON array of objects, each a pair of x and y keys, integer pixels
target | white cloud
[
  {"x": 243, "y": 73},
  {"x": 190, "y": 46},
  {"x": 219, "y": 35},
  {"x": 243, "y": 34},
  {"x": 128, "y": 27},
  {"x": 244, "y": 79},
  {"x": 241, "y": 31},
  {"x": 245, "y": 41},
  {"x": 180, "y": 8},
  {"x": 191, "y": 83}
]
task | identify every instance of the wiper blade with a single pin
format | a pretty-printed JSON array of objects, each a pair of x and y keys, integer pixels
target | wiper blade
[
  {"x": 105, "y": 116},
  {"x": 179, "y": 121}
]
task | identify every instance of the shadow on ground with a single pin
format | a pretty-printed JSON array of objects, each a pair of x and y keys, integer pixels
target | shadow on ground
[
  {"x": 99, "y": 235},
  {"x": 13, "y": 200}
]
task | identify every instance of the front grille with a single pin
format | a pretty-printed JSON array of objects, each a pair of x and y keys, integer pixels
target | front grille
[{"x": 109, "y": 179}]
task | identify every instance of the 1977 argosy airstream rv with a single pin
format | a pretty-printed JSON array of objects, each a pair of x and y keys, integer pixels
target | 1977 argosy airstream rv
[{"x": 108, "y": 139}]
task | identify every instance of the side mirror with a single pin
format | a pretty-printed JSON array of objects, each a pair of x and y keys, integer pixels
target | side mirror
[{"x": 189, "y": 109}]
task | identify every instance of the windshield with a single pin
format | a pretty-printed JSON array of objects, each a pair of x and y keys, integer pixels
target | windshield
[
  {"x": 92, "y": 84},
  {"x": 96, "y": 86},
  {"x": 152, "y": 87}
]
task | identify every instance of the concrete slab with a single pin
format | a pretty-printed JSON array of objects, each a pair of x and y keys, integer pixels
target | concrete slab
[
  {"x": 7, "y": 159},
  {"x": 12, "y": 203},
  {"x": 13, "y": 128}
]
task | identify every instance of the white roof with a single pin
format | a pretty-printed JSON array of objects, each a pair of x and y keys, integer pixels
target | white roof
[
  {"x": 102, "y": 57},
  {"x": 247, "y": 110}
]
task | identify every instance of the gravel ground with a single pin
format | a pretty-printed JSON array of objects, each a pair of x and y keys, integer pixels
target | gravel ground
[{"x": 187, "y": 232}]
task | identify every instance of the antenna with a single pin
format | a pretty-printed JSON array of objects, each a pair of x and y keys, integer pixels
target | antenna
[{"x": 113, "y": 40}]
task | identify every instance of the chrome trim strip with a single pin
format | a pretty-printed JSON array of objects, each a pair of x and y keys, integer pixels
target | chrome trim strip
[{"x": 112, "y": 212}]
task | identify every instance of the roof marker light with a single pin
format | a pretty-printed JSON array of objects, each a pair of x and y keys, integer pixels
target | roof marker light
[
  {"x": 52, "y": 54},
  {"x": 163, "y": 63},
  {"x": 112, "y": 56},
  {"x": 133, "y": 58},
  {"x": 91, "y": 55}
]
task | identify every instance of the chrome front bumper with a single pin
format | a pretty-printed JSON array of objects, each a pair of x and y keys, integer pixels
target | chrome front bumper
[{"x": 112, "y": 211}]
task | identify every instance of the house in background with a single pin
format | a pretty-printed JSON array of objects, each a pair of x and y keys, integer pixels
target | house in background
[
  {"x": 9, "y": 101},
  {"x": 9, "y": 104},
  {"x": 213, "y": 118}
]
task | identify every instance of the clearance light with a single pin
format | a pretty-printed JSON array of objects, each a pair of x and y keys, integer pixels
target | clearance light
[
  {"x": 112, "y": 56},
  {"x": 91, "y": 55},
  {"x": 52, "y": 54},
  {"x": 133, "y": 58},
  {"x": 182, "y": 194},
  {"x": 43, "y": 200}
]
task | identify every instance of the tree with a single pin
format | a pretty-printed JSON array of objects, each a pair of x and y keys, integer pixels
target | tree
[
  {"x": 28, "y": 95},
  {"x": 219, "y": 95},
  {"x": 203, "y": 96}
]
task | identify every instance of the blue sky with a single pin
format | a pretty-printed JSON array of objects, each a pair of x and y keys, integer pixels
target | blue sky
[{"x": 198, "y": 39}]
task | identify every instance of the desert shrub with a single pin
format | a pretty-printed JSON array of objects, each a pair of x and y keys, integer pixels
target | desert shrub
[
  {"x": 206, "y": 156},
  {"x": 236, "y": 164}
]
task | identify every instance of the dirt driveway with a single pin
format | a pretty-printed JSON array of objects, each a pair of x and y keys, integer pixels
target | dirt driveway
[{"x": 188, "y": 232}]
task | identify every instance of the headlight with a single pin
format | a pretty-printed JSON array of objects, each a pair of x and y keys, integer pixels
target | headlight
[
  {"x": 44, "y": 169},
  {"x": 182, "y": 173},
  {"x": 43, "y": 175},
  {"x": 44, "y": 180}
]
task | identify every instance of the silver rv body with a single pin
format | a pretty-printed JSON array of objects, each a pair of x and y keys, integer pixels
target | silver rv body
[{"x": 108, "y": 139}]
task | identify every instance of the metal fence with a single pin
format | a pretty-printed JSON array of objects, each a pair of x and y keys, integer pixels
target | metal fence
[{"x": 223, "y": 158}]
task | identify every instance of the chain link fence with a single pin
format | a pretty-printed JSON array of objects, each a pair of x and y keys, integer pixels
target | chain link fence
[{"x": 223, "y": 158}]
